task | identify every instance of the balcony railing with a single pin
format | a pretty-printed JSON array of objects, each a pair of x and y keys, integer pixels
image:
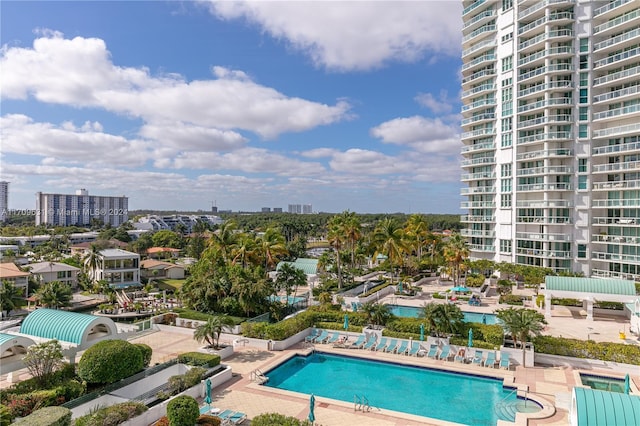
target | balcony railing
[
  {"x": 544, "y": 170},
  {"x": 542, "y": 237},
  {"x": 617, "y": 57},
  {"x": 627, "y": 184},
  {"x": 473, "y": 6},
  {"x": 615, "y": 40},
  {"x": 554, "y": 220},
  {"x": 630, "y": 202},
  {"x": 543, "y": 253},
  {"x": 544, "y": 136},
  {"x": 545, "y": 187},
  {"x": 617, "y": 257},
  {"x": 607, "y": 7},
  {"x": 479, "y": 74},
  {"x": 479, "y": 60},
  {"x": 478, "y": 205},
  {"x": 616, "y": 167},
  {"x": 478, "y": 89},
  {"x": 614, "y": 131},
  {"x": 546, "y": 103},
  {"x": 631, "y": 90},
  {"x": 478, "y": 161},
  {"x": 631, "y": 109},
  {"x": 489, "y": 13},
  {"x": 544, "y": 153},
  {"x": 481, "y": 247},
  {"x": 477, "y": 104},
  {"x": 478, "y": 133},
  {"x": 619, "y": 20},
  {"x": 477, "y": 118},
  {"x": 477, "y": 47},
  {"x": 478, "y": 147},
  {"x": 631, "y": 72},
  {"x": 478, "y": 190},
  {"x": 472, "y": 218},
  {"x": 553, "y": 17},
  {"x": 545, "y": 70},
  {"x": 474, "y": 33},
  {"x": 478, "y": 176},
  {"x": 544, "y": 203},
  {"x": 477, "y": 233},
  {"x": 562, "y": 84}
]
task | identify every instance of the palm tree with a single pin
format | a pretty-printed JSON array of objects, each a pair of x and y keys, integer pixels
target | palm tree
[
  {"x": 377, "y": 313},
  {"x": 443, "y": 318},
  {"x": 352, "y": 230},
  {"x": 289, "y": 278},
  {"x": 54, "y": 294},
  {"x": 389, "y": 238},
  {"x": 272, "y": 245},
  {"x": 336, "y": 239},
  {"x": 521, "y": 324},
  {"x": 210, "y": 331},
  {"x": 91, "y": 262},
  {"x": 244, "y": 250},
  {"x": 224, "y": 238},
  {"x": 10, "y": 297},
  {"x": 417, "y": 230},
  {"x": 455, "y": 252}
]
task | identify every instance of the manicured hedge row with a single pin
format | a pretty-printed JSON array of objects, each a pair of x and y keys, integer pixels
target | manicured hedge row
[
  {"x": 605, "y": 351},
  {"x": 47, "y": 416},
  {"x": 199, "y": 359},
  {"x": 339, "y": 326},
  {"x": 109, "y": 361},
  {"x": 112, "y": 415},
  {"x": 275, "y": 419}
]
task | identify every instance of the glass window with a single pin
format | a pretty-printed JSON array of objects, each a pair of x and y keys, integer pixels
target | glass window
[
  {"x": 507, "y": 63},
  {"x": 582, "y": 165},
  {"x": 505, "y": 170},
  {"x": 584, "y": 113},
  {"x": 584, "y": 79},
  {"x": 582, "y": 181},
  {"x": 584, "y": 96},
  {"x": 582, "y": 251},
  {"x": 584, "y": 45},
  {"x": 505, "y": 201},
  {"x": 583, "y": 131},
  {"x": 505, "y": 246},
  {"x": 507, "y": 140},
  {"x": 507, "y": 37},
  {"x": 507, "y": 4},
  {"x": 507, "y": 124},
  {"x": 584, "y": 62}
]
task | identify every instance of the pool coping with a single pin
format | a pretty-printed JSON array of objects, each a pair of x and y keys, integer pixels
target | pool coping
[{"x": 507, "y": 377}]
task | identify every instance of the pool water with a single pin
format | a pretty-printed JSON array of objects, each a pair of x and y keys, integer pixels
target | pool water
[
  {"x": 288, "y": 299},
  {"x": 415, "y": 312},
  {"x": 421, "y": 391},
  {"x": 610, "y": 384}
]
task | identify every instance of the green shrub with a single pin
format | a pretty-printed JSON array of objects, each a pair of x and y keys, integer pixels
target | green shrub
[
  {"x": 112, "y": 415},
  {"x": 474, "y": 280},
  {"x": 207, "y": 420},
  {"x": 67, "y": 372},
  {"x": 339, "y": 326},
  {"x": 616, "y": 306},
  {"x": 605, "y": 351},
  {"x": 47, "y": 416},
  {"x": 566, "y": 302},
  {"x": 275, "y": 419},
  {"x": 182, "y": 411},
  {"x": 24, "y": 404},
  {"x": 146, "y": 352},
  {"x": 510, "y": 299},
  {"x": 437, "y": 295},
  {"x": 109, "y": 361},
  {"x": 199, "y": 359},
  {"x": 5, "y": 416},
  {"x": 181, "y": 382}
]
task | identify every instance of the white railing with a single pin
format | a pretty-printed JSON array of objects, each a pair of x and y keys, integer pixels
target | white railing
[
  {"x": 622, "y": 37},
  {"x": 609, "y": 6},
  {"x": 528, "y": 11},
  {"x": 616, "y": 112},
  {"x": 489, "y": 13},
  {"x": 623, "y": 147},
  {"x": 479, "y": 117},
  {"x": 544, "y": 170},
  {"x": 473, "y": 6},
  {"x": 631, "y": 72},
  {"x": 479, "y": 132},
  {"x": 627, "y": 165},
  {"x": 603, "y": 133},
  {"x": 617, "y": 57},
  {"x": 627, "y": 184},
  {"x": 479, "y": 74},
  {"x": 474, "y": 33},
  {"x": 487, "y": 102},
  {"x": 544, "y": 153},
  {"x": 478, "y": 190},
  {"x": 615, "y": 22},
  {"x": 546, "y": 103},
  {"x": 632, "y": 90},
  {"x": 479, "y": 60},
  {"x": 631, "y": 202}
]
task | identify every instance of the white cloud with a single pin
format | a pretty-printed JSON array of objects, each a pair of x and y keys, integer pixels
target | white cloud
[
  {"x": 360, "y": 161},
  {"x": 420, "y": 133},
  {"x": 186, "y": 137},
  {"x": 441, "y": 105},
  {"x": 80, "y": 72},
  {"x": 319, "y": 153},
  {"x": 355, "y": 35}
]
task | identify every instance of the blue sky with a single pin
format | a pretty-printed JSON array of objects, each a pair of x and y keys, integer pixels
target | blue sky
[{"x": 342, "y": 105}]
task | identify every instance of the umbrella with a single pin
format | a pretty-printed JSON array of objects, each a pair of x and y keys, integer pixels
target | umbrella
[
  {"x": 627, "y": 384},
  {"x": 346, "y": 322},
  {"x": 470, "y": 338},
  {"x": 421, "y": 332},
  {"x": 312, "y": 406},
  {"x": 460, "y": 288},
  {"x": 484, "y": 318},
  {"x": 207, "y": 397}
]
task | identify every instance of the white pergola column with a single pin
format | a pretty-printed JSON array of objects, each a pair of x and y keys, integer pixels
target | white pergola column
[
  {"x": 589, "y": 309},
  {"x": 547, "y": 305}
]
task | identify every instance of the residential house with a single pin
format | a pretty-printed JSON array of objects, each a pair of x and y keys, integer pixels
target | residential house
[
  {"x": 120, "y": 268},
  {"x": 46, "y": 272},
  {"x": 11, "y": 273},
  {"x": 152, "y": 268}
]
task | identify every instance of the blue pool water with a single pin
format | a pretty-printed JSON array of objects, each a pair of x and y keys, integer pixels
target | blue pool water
[
  {"x": 424, "y": 392},
  {"x": 414, "y": 312},
  {"x": 291, "y": 299}
]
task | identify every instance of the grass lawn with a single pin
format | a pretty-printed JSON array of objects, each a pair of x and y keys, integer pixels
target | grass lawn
[{"x": 169, "y": 284}]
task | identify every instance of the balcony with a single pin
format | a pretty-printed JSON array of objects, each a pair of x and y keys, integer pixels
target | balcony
[
  {"x": 483, "y": 161},
  {"x": 616, "y": 257},
  {"x": 481, "y": 18},
  {"x": 479, "y": 104},
  {"x": 631, "y": 202},
  {"x": 476, "y": 219},
  {"x": 473, "y": 6},
  {"x": 622, "y": 147},
  {"x": 618, "y": 59},
  {"x": 600, "y": 273},
  {"x": 478, "y": 205},
  {"x": 482, "y": 30},
  {"x": 533, "y": 187},
  {"x": 618, "y": 22},
  {"x": 544, "y": 220},
  {"x": 616, "y": 131},
  {"x": 614, "y": 221},
  {"x": 617, "y": 167},
  {"x": 477, "y": 233},
  {"x": 542, "y": 237},
  {"x": 562, "y": 152},
  {"x": 617, "y": 94},
  {"x": 620, "y": 185},
  {"x": 628, "y": 111},
  {"x": 490, "y": 57},
  {"x": 618, "y": 42},
  {"x": 487, "y": 146},
  {"x": 564, "y": 68},
  {"x": 542, "y": 54},
  {"x": 554, "y": 85},
  {"x": 543, "y": 253},
  {"x": 478, "y": 133},
  {"x": 544, "y": 203},
  {"x": 549, "y": 170},
  {"x": 615, "y": 239},
  {"x": 477, "y": 176},
  {"x": 479, "y": 89},
  {"x": 612, "y": 7},
  {"x": 545, "y": 104},
  {"x": 478, "y": 119},
  {"x": 483, "y": 248},
  {"x": 480, "y": 47},
  {"x": 539, "y": 7},
  {"x": 539, "y": 137},
  {"x": 473, "y": 190},
  {"x": 618, "y": 77},
  {"x": 476, "y": 76},
  {"x": 540, "y": 121}
]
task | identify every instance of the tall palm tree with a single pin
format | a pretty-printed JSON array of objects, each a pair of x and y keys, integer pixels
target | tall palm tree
[
  {"x": 272, "y": 246},
  {"x": 377, "y": 313},
  {"x": 336, "y": 238},
  {"x": 244, "y": 250},
  {"x": 389, "y": 239},
  {"x": 443, "y": 318},
  {"x": 352, "y": 230},
  {"x": 224, "y": 238},
  {"x": 417, "y": 230},
  {"x": 210, "y": 331},
  {"x": 290, "y": 278},
  {"x": 91, "y": 262},
  {"x": 54, "y": 294},
  {"x": 455, "y": 252},
  {"x": 521, "y": 324},
  {"x": 10, "y": 296}
]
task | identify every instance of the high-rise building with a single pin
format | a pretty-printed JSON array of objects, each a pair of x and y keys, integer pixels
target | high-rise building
[
  {"x": 300, "y": 208},
  {"x": 4, "y": 201},
  {"x": 80, "y": 209},
  {"x": 551, "y": 134}
]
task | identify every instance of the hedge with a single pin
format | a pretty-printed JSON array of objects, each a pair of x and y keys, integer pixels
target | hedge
[
  {"x": 183, "y": 410},
  {"x": 201, "y": 316},
  {"x": 109, "y": 361},
  {"x": 5, "y": 416},
  {"x": 605, "y": 351},
  {"x": 339, "y": 326},
  {"x": 199, "y": 359},
  {"x": 510, "y": 299},
  {"x": 146, "y": 352},
  {"x": 112, "y": 415},
  {"x": 275, "y": 419},
  {"x": 47, "y": 416}
]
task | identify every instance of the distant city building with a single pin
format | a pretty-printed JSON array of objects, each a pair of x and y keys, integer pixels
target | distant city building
[
  {"x": 266, "y": 210},
  {"x": 300, "y": 208},
  {"x": 277, "y": 209},
  {"x": 182, "y": 223},
  {"x": 80, "y": 209},
  {"x": 4, "y": 200}
]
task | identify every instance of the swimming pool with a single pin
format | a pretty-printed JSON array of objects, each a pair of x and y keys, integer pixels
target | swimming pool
[
  {"x": 289, "y": 300},
  {"x": 414, "y": 312},
  {"x": 454, "y": 397},
  {"x": 611, "y": 384}
]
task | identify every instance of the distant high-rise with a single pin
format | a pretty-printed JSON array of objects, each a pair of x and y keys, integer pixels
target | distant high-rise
[
  {"x": 4, "y": 201},
  {"x": 80, "y": 209},
  {"x": 266, "y": 210},
  {"x": 277, "y": 209},
  {"x": 300, "y": 208},
  {"x": 551, "y": 134}
]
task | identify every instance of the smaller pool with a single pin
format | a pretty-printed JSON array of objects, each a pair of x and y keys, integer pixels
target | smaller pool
[
  {"x": 291, "y": 299},
  {"x": 611, "y": 384},
  {"x": 414, "y": 312}
]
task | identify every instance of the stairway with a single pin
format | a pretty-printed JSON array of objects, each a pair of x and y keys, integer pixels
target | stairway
[{"x": 507, "y": 410}]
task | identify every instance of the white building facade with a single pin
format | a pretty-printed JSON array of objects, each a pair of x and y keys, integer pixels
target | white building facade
[
  {"x": 120, "y": 268},
  {"x": 80, "y": 209},
  {"x": 551, "y": 134},
  {"x": 4, "y": 201}
]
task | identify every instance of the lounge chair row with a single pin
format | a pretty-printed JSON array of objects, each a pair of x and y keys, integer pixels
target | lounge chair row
[
  {"x": 227, "y": 417},
  {"x": 477, "y": 358},
  {"x": 362, "y": 342}
]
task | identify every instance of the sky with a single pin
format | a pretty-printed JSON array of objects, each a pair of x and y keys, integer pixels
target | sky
[{"x": 181, "y": 105}]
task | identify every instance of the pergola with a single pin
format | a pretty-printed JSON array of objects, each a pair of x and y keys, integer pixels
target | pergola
[{"x": 587, "y": 290}]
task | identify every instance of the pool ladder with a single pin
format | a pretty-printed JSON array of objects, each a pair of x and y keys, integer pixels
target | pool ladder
[
  {"x": 361, "y": 403},
  {"x": 258, "y": 376}
]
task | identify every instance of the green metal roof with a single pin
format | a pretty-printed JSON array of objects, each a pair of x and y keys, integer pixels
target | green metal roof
[
  {"x": 55, "y": 324},
  {"x": 590, "y": 285},
  {"x": 308, "y": 266},
  {"x": 6, "y": 337},
  {"x": 21, "y": 341},
  {"x": 597, "y": 408}
]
